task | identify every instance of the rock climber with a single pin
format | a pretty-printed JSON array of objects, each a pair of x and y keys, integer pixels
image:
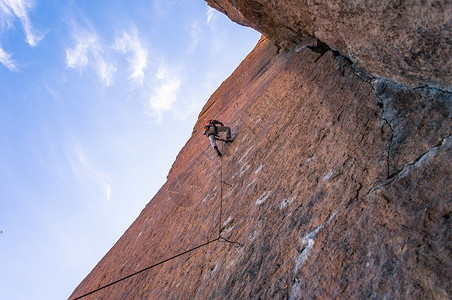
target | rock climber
[{"x": 211, "y": 130}]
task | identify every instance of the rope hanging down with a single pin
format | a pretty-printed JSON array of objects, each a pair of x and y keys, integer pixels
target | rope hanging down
[
  {"x": 221, "y": 193},
  {"x": 219, "y": 239},
  {"x": 237, "y": 12},
  {"x": 150, "y": 267}
]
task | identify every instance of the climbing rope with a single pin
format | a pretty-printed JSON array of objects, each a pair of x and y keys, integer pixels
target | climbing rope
[
  {"x": 237, "y": 12},
  {"x": 218, "y": 239},
  {"x": 221, "y": 192},
  {"x": 150, "y": 267},
  {"x": 222, "y": 239}
]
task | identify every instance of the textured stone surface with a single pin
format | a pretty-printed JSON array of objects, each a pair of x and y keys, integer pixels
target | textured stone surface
[
  {"x": 418, "y": 118},
  {"x": 407, "y": 41},
  {"x": 339, "y": 188}
]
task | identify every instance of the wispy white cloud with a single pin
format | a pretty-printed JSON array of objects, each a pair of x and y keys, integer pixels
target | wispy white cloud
[
  {"x": 78, "y": 56},
  {"x": 196, "y": 35},
  {"x": 83, "y": 168},
  {"x": 6, "y": 15},
  {"x": 131, "y": 43},
  {"x": 108, "y": 192},
  {"x": 104, "y": 69},
  {"x": 218, "y": 38},
  {"x": 6, "y": 60},
  {"x": 192, "y": 106},
  {"x": 164, "y": 92},
  {"x": 10, "y": 9},
  {"x": 89, "y": 51},
  {"x": 157, "y": 7},
  {"x": 163, "y": 8},
  {"x": 211, "y": 15}
]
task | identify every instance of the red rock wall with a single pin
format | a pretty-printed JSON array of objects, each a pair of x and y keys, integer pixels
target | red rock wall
[
  {"x": 406, "y": 41},
  {"x": 339, "y": 188}
]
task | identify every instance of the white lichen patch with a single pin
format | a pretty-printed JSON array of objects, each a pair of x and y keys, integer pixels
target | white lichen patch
[
  {"x": 285, "y": 203},
  {"x": 253, "y": 235},
  {"x": 228, "y": 225},
  {"x": 295, "y": 291},
  {"x": 231, "y": 263},
  {"x": 263, "y": 197},
  {"x": 244, "y": 169},
  {"x": 299, "y": 47},
  {"x": 251, "y": 183},
  {"x": 246, "y": 153},
  {"x": 227, "y": 230},
  {"x": 309, "y": 159},
  {"x": 258, "y": 169},
  {"x": 328, "y": 176},
  {"x": 227, "y": 221},
  {"x": 209, "y": 198},
  {"x": 212, "y": 269},
  {"x": 308, "y": 243}
]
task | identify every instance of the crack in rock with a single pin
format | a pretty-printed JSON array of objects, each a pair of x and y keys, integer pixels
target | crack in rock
[
  {"x": 417, "y": 163},
  {"x": 426, "y": 157},
  {"x": 384, "y": 117},
  {"x": 393, "y": 99}
]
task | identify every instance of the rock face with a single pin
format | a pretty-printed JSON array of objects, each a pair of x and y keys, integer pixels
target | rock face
[
  {"x": 336, "y": 188},
  {"x": 406, "y": 41}
]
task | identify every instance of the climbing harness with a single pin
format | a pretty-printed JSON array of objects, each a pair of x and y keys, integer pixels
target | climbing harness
[
  {"x": 237, "y": 12},
  {"x": 209, "y": 124},
  {"x": 219, "y": 238}
]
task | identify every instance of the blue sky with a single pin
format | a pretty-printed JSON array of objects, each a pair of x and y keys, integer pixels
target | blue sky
[{"x": 96, "y": 100}]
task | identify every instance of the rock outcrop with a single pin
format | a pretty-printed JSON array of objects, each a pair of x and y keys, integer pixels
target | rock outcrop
[
  {"x": 406, "y": 41},
  {"x": 336, "y": 187},
  {"x": 339, "y": 181}
]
